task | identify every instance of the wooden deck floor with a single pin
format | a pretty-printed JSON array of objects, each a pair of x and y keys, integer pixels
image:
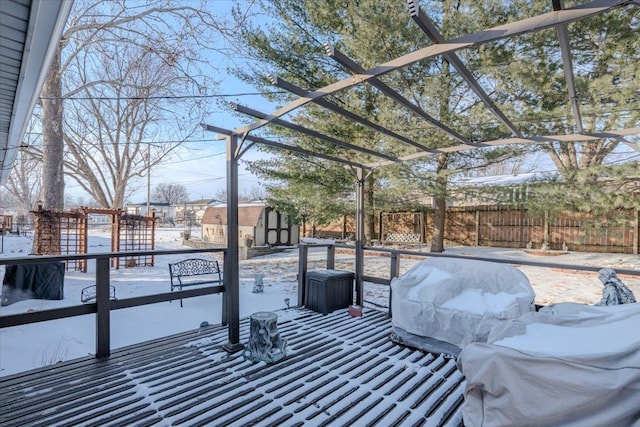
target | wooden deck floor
[{"x": 339, "y": 371}]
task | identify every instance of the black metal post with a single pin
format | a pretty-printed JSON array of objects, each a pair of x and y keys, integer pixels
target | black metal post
[
  {"x": 226, "y": 296},
  {"x": 360, "y": 236},
  {"x": 302, "y": 272},
  {"x": 331, "y": 257},
  {"x": 232, "y": 269},
  {"x": 103, "y": 329},
  {"x": 395, "y": 272}
]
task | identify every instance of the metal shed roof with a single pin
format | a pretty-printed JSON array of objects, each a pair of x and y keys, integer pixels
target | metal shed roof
[{"x": 29, "y": 33}]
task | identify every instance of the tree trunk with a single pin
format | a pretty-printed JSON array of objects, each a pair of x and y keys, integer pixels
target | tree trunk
[
  {"x": 52, "y": 137},
  {"x": 440, "y": 194},
  {"x": 370, "y": 218},
  {"x": 440, "y": 204}
]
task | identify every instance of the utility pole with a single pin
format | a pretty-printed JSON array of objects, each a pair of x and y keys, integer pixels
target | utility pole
[{"x": 148, "y": 178}]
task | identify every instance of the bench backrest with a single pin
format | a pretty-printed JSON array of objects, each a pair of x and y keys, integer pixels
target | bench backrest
[
  {"x": 194, "y": 267},
  {"x": 404, "y": 237}
]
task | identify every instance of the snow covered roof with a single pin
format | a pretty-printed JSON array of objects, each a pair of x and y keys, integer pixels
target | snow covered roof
[
  {"x": 505, "y": 180},
  {"x": 248, "y": 215}
]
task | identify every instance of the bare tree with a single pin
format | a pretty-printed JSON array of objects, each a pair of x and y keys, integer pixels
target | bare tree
[
  {"x": 170, "y": 193},
  {"x": 128, "y": 83},
  {"x": 24, "y": 183},
  {"x": 247, "y": 195}
]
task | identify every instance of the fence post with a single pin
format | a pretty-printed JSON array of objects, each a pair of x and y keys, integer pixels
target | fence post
[
  {"x": 302, "y": 272},
  {"x": 331, "y": 257},
  {"x": 477, "y": 227},
  {"x": 636, "y": 228},
  {"x": 546, "y": 243},
  {"x": 103, "y": 333},
  {"x": 395, "y": 272}
]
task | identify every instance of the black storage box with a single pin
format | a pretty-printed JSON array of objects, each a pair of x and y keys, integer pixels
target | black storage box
[{"x": 328, "y": 290}]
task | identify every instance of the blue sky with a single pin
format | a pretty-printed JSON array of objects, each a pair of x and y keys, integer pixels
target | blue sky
[{"x": 200, "y": 165}]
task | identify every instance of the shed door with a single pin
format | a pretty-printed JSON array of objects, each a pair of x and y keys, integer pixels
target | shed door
[{"x": 278, "y": 230}]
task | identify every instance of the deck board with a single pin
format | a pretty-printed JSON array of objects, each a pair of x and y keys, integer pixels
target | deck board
[{"x": 338, "y": 371}]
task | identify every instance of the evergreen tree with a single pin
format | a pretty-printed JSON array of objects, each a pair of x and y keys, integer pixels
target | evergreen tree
[{"x": 524, "y": 74}]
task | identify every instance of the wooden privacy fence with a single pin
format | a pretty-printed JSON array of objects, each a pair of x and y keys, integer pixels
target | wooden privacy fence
[
  {"x": 615, "y": 232},
  {"x": 509, "y": 227}
]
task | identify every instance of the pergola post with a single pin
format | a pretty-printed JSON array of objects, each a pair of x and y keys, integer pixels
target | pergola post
[
  {"x": 231, "y": 296},
  {"x": 360, "y": 238}
]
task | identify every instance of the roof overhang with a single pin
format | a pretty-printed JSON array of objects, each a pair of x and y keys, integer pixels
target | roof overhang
[{"x": 30, "y": 31}]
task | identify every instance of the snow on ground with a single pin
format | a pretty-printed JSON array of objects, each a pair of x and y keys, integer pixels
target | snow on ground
[{"x": 31, "y": 346}]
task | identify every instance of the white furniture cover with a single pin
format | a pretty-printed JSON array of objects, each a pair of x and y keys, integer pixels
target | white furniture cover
[
  {"x": 568, "y": 365},
  {"x": 453, "y": 302}
]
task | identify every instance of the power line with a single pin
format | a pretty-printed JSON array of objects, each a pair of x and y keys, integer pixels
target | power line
[{"x": 120, "y": 98}]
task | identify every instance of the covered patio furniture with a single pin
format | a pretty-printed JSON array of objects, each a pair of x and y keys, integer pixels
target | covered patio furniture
[
  {"x": 443, "y": 304},
  {"x": 567, "y": 365}
]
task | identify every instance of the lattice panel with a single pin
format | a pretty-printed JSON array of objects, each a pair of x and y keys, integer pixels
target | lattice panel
[{"x": 136, "y": 233}]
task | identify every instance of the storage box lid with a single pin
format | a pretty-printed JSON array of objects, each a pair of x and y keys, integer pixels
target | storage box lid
[{"x": 329, "y": 273}]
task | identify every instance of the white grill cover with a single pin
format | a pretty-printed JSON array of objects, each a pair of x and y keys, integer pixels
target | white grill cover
[
  {"x": 458, "y": 301},
  {"x": 568, "y": 365}
]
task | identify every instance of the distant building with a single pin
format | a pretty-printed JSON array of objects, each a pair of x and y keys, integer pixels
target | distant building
[
  {"x": 259, "y": 225},
  {"x": 162, "y": 210},
  {"x": 504, "y": 189},
  {"x": 191, "y": 213}
]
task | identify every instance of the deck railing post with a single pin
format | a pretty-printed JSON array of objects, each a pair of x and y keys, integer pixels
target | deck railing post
[
  {"x": 360, "y": 237},
  {"x": 331, "y": 257},
  {"x": 303, "y": 250},
  {"x": 226, "y": 300},
  {"x": 232, "y": 269},
  {"x": 395, "y": 272},
  {"x": 103, "y": 329}
]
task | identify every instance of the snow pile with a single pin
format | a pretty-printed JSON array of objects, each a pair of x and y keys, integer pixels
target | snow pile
[{"x": 456, "y": 301}]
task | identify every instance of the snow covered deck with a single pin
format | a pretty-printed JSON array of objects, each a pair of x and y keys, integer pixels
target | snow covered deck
[{"x": 339, "y": 371}]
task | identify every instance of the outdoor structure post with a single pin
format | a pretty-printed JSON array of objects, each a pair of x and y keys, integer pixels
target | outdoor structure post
[
  {"x": 360, "y": 176},
  {"x": 395, "y": 272},
  {"x": 103, "y": 330},
  {"x": 232, "y": 269},
  {"x": 331, "y": 257},
  {"x": 303, "y": 250},
  {"x": 636, "y": 230},
  {"x": 477, "y": 242}
]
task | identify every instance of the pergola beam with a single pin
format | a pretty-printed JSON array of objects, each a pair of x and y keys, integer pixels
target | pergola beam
[
  {"x": 263, "y": 141},
  {"x": 310, "y": 132},
  {"x": 533, "y": 24},
  {"x": 567, "y": 61},
  {"x": 283, "y": 84},
  {"x": 352, "y": 66},
  {"x": 299, "y": 150},
  {"x": 585, "y": 137},
  {"x": 427, "y": 26}
]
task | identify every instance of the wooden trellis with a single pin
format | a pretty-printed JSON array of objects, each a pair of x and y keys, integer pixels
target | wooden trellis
[
  {"x": 61, "y": 233},
  {"x": 134, "y": 233},
  {"x": 66, "y": 233}
]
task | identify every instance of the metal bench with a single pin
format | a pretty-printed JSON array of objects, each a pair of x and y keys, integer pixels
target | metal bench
[
  {"x": 88, "y": 294},
  {"x": 194, "y": 271}
]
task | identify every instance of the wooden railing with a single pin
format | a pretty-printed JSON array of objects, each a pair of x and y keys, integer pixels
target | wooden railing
[{"x": 103, "y": 304}]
